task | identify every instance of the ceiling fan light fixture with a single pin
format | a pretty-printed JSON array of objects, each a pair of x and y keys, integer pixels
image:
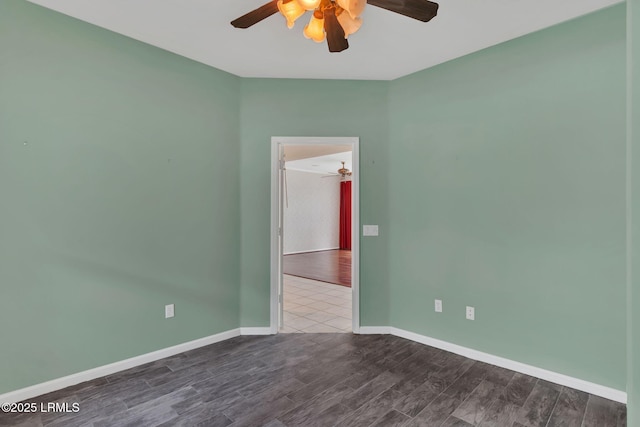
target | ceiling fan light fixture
[
  {"x": 329, "y": 21},
  {"x": 354, "y": 7},
  {"x": 349, "y": 24},
  {"x": 315, "y": 29},
  {"x": 291, "y": 10},
  {"x": 309, "y": 4}
]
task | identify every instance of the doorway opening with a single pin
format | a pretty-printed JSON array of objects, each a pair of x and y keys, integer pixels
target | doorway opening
[{"x": 314, "y": 234}]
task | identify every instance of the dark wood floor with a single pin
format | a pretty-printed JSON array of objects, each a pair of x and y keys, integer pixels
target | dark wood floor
[
  {"x": 323, "y": 380},
  {"x": 326, "y": 266}
]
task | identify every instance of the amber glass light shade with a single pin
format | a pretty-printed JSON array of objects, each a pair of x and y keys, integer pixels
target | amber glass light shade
[
  {"x": 354, "y": 7},
  {"x": 315, "y": 29},
  {"x": 309, "y": 4},
  {"x": 291, "y": 10},
  {"x": 349, "y": 24}
]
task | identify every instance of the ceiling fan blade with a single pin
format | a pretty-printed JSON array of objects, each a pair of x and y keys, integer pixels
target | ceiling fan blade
[
  {"x": 335, "y": 32},
  {"x": 257, "y": 15},
  {"x": 422, "y": 10}
]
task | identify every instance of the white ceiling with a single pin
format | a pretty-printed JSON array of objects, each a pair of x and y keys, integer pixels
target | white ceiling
[
  {"x": 305, "y": 151},
  {"x": 326, "y": 165},
  {"x": 387, "y": 46}
]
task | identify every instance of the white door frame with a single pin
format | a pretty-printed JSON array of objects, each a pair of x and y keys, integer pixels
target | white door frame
[{"x": 276, "y": 253}]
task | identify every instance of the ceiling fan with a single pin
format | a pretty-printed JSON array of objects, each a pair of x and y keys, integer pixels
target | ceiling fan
[
  {"x": 342, "y": 172},
  {"x": 334, "y": 20}
]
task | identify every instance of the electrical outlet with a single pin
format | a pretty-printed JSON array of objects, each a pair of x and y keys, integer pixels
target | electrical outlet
[
  {"x": 438, "y": 306},
  {"x": 471, "y": 313},
  {"x": 169, "y": 311}
]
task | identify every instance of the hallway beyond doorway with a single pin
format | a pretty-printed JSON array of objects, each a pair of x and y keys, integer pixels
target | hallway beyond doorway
[{"x": 312, "y": 306}]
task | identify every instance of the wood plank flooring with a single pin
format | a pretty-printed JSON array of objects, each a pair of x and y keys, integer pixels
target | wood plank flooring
[
  {"x": 322, "y": 380},
  {"x": 332, "y": 266}
]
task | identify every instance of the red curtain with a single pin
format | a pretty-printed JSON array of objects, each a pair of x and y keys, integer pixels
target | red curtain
[{"x": 345, "y": 215}]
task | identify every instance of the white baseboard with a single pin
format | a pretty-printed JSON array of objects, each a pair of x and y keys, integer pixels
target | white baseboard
[
  {"x": 255, "y": 331},
  {"x": 309, "y": 251},
  {"x": 554, "y": 377},
  {"x": 112, "y": 368},
  {"x": 376, "y": 330}
]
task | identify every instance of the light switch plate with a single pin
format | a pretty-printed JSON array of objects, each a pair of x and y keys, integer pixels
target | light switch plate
[
  {"x": 369, "y": 230},
  {"x": 438, "y": 306}
]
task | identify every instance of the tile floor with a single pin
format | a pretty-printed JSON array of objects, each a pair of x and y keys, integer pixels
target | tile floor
[{"x": 312, "y": 306}]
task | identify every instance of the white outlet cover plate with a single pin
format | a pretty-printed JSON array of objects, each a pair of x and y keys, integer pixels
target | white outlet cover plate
[
  {"x": 471, "y": 313},
  {"x": 169, "y": 311},
  {"x": 438, "y": 306}
]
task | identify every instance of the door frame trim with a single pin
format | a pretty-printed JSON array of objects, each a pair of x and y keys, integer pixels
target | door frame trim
[{"x": 276, "y": 142}]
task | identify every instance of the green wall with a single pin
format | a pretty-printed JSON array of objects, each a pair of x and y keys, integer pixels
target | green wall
[
  {"x": 633, "y": 188},
  {"x": 507, "y": 193},
  {"x": 124, "y": 198},
  {"x": 272, "y": 107}
]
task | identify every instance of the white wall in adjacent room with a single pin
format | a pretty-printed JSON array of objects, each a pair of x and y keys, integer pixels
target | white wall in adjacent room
[{"x": 312, "y": 220}]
